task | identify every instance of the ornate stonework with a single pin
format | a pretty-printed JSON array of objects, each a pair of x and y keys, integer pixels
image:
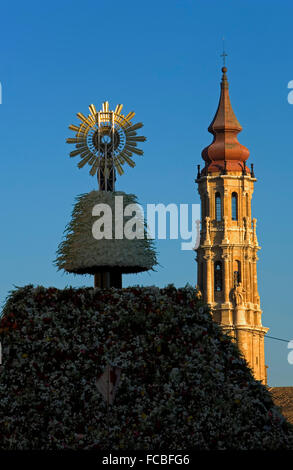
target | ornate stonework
[{"x": 227, "y": 253}]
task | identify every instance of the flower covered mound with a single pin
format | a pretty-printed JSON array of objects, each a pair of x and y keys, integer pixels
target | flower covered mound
[
  {"x": 81, "y": 253},
  {"x": 183, "y": 382}
]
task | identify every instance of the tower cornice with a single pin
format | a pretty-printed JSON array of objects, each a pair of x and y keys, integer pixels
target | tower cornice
[{"x": 229, "y": 176}]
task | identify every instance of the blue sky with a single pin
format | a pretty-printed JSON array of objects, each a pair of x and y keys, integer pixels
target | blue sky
[{"x": 161, "y": 59}]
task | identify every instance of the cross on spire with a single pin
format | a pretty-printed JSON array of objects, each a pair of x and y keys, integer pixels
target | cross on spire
[{"x": 224, "y": 55}]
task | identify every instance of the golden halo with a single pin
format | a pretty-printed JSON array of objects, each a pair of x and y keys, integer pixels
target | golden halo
[{"x": 106, "y": 135}]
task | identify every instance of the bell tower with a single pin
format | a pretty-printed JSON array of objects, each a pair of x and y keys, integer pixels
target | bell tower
[{"x": 227, "y": 253}]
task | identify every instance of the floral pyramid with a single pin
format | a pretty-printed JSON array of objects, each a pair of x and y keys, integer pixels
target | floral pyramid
[{"x": 183, "y": 382}]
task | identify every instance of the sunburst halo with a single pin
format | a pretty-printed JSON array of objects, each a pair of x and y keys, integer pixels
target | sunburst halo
[{"x": 105, "y": 138}]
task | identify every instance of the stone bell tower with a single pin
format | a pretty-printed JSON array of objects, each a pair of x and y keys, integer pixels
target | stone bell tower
[{"x": 227, "y": 253}]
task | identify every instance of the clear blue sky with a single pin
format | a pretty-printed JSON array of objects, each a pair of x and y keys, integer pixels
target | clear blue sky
[{"x": 162, "y": 59}]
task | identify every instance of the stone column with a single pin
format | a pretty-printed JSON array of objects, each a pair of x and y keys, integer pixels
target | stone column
[
  {"x": 207, "y": 205},
  {"x": 225, "y": 230},
  {"x": 254, "y": 280},
  {"x": 253, "y": 227},
  {"x": 242, "y": 337},
  {"x": 246, "y": 282},
  {"x": 226, "y": 199},
  {"x": 208, "y": 290},
  {"x": 245, "y": 231},
  {"x": 207, "y": 236},
  {"x": 240, "y": 318},
  {"x": 249, "y": 206},
  {"x": 262, "y": 366}
]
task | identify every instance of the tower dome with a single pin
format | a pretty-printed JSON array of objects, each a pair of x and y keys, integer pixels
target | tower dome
[{"x": 225, "y": 152}]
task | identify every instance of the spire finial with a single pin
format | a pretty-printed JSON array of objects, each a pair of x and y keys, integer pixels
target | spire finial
[
  {"x": 225, "y": 153},
  {"x": 224, "y": 55}
]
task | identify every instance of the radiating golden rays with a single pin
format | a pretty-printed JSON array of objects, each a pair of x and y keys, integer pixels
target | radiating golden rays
[{"x": 106, "y": 137}]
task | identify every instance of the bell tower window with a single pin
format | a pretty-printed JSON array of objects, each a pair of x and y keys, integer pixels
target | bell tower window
[
  {"x": 218, "y": 202},
  {"x": 218, "y": 276},
  {"x": 234, "y": 206}
]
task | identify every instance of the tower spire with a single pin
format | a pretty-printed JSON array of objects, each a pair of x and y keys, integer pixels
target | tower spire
[
  {"x": 225, "y": 151},
  {"x": 228, "y": 247}
]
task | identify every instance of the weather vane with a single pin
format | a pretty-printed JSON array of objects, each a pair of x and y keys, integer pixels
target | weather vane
[
  {"x": 224, "y": 55},
  {"x": 105, "y": 140}
]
